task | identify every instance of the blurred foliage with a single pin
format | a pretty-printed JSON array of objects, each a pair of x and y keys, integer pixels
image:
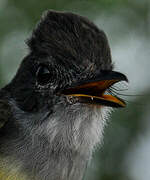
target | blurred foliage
[{"x": 126, "y": 124}]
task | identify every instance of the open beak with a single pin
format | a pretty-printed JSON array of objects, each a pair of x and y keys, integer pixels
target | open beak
[{"x": 92, "y": 91}]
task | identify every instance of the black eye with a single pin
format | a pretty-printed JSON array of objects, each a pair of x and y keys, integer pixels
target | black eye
[{"x": 43, "y": 75}]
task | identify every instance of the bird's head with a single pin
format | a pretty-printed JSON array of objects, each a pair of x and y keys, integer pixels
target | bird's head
[{"x": 59, "y": 89}]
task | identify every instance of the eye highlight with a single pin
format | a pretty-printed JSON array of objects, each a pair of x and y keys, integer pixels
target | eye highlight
[{"x": 43, "y": 75}]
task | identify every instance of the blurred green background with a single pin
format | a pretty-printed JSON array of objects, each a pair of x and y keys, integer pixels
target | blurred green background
[{"x": 125, "y": 153}]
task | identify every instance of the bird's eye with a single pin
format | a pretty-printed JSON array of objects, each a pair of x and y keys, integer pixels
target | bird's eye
[{"x": 43, "y": 75}]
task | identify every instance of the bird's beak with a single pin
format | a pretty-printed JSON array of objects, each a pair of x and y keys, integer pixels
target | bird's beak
[{"x": 91, "y": 91}]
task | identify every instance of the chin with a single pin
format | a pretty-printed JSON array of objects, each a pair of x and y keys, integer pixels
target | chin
[{"x": 77, "y": 127}]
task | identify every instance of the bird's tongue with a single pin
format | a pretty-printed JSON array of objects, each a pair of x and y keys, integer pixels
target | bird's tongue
[{"x": 92, "y": 91}]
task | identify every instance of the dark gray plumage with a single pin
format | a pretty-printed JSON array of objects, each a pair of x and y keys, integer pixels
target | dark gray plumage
[{"x": 48, "y": 135}]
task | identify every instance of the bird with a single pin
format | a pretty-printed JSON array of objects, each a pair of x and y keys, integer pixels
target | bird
[{"x": 54, "y": 110}]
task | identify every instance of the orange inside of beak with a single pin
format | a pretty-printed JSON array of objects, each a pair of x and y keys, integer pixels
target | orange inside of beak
[{"x": 94, "y": 92}]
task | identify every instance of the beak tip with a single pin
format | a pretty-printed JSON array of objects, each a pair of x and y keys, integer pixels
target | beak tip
[
  {"x": 126, "y": 79},
  {"x": 123, "y": 77}
]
